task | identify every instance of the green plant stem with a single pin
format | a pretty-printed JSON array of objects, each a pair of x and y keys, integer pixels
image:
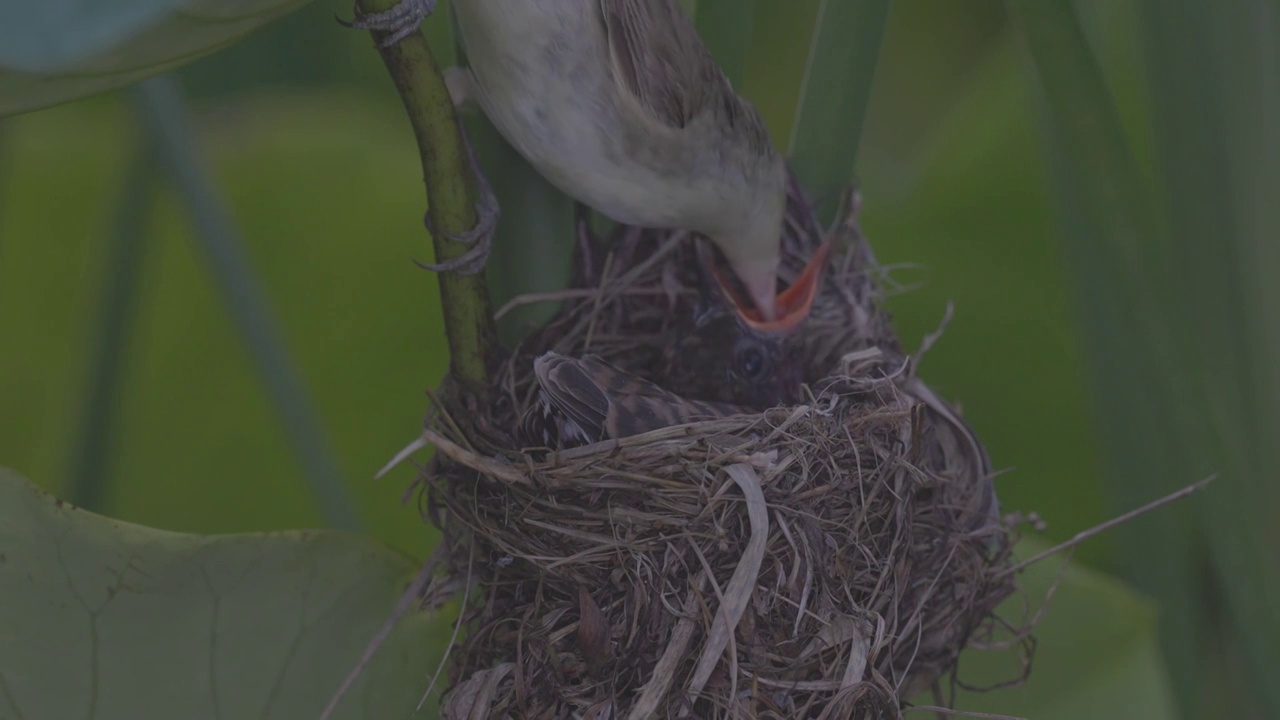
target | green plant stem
[
  {"x": 161, "y": 105},
  {"x": 117, "y": 310},
  {"x": 4, "y": 179},
  {"x": 835, "y": 90},
  {"x": 726, "y": 27},
  {"x": 468, "y": 314}
]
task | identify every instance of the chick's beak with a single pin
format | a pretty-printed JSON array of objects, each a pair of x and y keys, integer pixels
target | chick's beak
[{"x": 775, "y": 313}]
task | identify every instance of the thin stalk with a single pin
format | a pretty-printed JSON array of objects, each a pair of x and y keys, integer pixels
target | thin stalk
[
  {"x": 468, "y": 314},
  {"x": 161, "y": 106},
  {"x": 4, "y": 178},
  {"x": 834, "y": 91},
  {"x": 90, "y": 475}
]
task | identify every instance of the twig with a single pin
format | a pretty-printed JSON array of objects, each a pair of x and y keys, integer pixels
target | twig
[
  {"x": 458, "y": 454},
  {"x": 571, "y": 294},
  {"x": 407, "y": 599},
  {"x": 961, "y": 713},
  {"x": 457, "y": 626},
  {"x": 1119, "y": 520}
]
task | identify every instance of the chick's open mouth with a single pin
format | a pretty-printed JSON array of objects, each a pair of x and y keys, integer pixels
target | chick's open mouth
[{"x": 793, "y": 303}]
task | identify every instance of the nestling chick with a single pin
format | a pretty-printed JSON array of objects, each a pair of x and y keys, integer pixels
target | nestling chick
[
  {"x": 587, "y": 400},
  {"x": 723, "y": 359},
  {"x": 731, "y": 356},
  {"x": 721, "y": 365}
]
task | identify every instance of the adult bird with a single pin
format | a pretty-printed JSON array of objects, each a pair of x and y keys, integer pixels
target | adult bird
[
  {"x": 718, "y": 365},
  {"x": 620, "y": 104}
]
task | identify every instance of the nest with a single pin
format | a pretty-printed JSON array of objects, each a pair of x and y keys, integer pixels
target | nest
[{"x": 824, "y": 560}]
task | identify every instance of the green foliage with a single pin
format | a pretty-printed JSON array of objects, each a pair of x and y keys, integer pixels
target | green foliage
[
  {"x": 95, "y": 438},
  {"x": 1111, "y": 238},
  {"x": 957, "y": 208},
  {"x": 53, "y": 51},
  {"x": 1097, "y": 651},
  {"x": 1165, "y": 249},
  {"x": 1215, "y": 103},
  {"x": 838, "y": 74},
  {"x": 780, "y": 42},
  {"x": 532, "y": 246},
  {"x": 726, "y": 27},
  {"x": 160, "y": 104},
  {"x": 103, "y": 619},
  {"x": 198, "y": 446}
]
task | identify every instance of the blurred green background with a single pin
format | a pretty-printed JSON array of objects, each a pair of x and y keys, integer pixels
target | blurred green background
[{"x": 308, "y": 146}]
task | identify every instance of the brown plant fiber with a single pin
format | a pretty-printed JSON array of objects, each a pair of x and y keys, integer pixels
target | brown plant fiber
[{"x": 823, "y": 560}]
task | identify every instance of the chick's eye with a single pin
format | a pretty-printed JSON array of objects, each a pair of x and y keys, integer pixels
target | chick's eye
[{"x": 751, "y": 363}]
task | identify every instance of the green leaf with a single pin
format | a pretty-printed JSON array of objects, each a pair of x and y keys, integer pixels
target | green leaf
[
  {"x": 117, "y": 311},
  {"x": 533, "y": 243},
  {"x": 1097, "y": 650},
  {"x": 192, "y": 397},
  {"x": 835, "y": 87},
  {"x": 1134, "y": 337},
  {"x": 776, "y": 62},
  {"x": 103, "y": 619},
  {"x": 53, "y": 51},
  {"x": 1213, "y": 71},
  {"x": 726, "y": 27},
  {"x": 1180, "y": 312}
]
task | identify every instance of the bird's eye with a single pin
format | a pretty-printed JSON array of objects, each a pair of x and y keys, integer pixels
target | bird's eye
[{"x": 751, "y": 363}]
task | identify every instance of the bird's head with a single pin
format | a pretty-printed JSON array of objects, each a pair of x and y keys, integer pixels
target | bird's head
[
  {"x": 790, "y": 307},
  {"x": 748, "y": 234},
  {"x": 722, "y": 358},
  {"x": 749, "y": 239},
  {"x": 764, "y": 369}
]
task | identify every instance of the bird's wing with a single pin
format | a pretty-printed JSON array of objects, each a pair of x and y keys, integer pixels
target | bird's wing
[
  {"x": 606, "y": 402},
  {"x": 572, "y": 391},
  {"x": 664, "y": 66}
]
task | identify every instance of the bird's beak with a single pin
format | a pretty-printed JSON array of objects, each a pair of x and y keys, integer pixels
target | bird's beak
[
  {"x": 790, "y": 307},
  {"x": 761, "y": 283}
]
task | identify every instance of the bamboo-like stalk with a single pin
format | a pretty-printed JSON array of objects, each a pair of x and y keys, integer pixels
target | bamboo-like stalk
[
  {"x": 834, "y": 92},
  {"x": 468, "y": 315}
]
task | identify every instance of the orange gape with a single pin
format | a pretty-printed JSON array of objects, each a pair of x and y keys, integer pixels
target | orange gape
[{"x": 793, "y": 304}]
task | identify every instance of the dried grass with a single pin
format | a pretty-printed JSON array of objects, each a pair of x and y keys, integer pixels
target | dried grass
[{"x": 828, "y": 560}]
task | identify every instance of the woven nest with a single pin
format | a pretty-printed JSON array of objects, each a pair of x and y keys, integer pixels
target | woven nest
[{"x": 824, "y": 560}]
